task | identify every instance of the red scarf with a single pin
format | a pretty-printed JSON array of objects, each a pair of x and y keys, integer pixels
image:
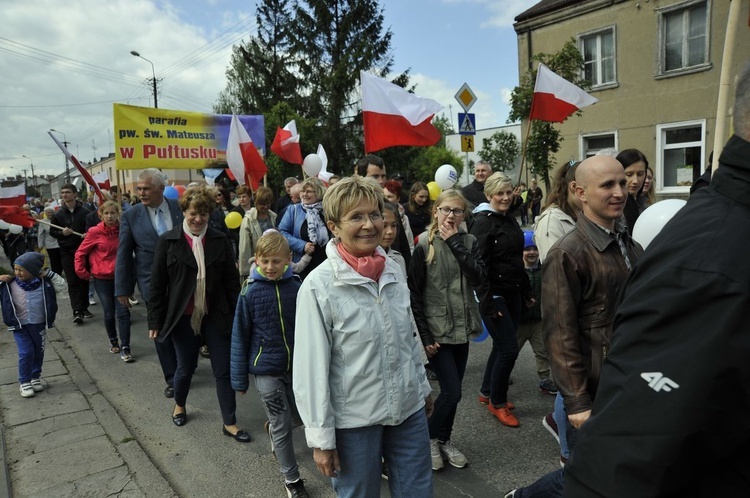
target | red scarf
[{"x": 368, "y": 266}]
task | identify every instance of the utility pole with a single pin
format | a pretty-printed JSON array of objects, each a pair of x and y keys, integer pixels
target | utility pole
[{"x": 135, "y": 53}]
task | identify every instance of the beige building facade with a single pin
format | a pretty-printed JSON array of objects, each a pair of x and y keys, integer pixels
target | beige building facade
[{"x": 655, "y": 68}]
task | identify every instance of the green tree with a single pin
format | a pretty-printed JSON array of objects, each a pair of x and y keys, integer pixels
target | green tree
[
  {"x": 500, "y": 150},
  {"x": 262, "y": 72},
  {"x": 335, "y": 39},
  {"x": 544, "y": 139}
]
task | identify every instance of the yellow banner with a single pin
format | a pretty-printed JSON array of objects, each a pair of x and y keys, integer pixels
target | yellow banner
[{"x": 161, "y": 138}]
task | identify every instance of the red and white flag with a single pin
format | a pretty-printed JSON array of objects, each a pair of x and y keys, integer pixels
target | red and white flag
[
  {"x": 286, "y": 144},
  {"x": 392, "y": 116},
  {"x": 83, "y": 171},
  {"x": 102, "y": 179},
  {"x": 243, "y": 158},
  {"x": 16, "y": 215},
  {"x": 556, "y": 98},
  {"x": 13, "y": 196}
]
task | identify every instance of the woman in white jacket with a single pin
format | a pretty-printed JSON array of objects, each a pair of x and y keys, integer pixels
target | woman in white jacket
[
  {"x": 561, "y": 211},
  {"x": 358, "y": 379}
]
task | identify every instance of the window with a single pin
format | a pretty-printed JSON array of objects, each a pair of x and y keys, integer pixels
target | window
[
  {"x": 590, "y": 144},
  {"x": 598, "y": 50},
  {"x": 684, "y": 37},
  {"x": 681, "y": 149}
]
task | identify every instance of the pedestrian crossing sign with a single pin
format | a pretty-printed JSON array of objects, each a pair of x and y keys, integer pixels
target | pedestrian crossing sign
[{"x": 467, "y": 124}]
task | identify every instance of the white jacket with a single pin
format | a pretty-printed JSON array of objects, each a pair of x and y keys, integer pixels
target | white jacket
[
  {"x": 357, "y": 359},
  {"x": 550, "y": 226}
]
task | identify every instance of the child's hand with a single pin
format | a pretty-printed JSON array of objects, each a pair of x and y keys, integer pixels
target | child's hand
[
  {"x": 6, "y": 278},
  {"x": 43, "y": 273}
]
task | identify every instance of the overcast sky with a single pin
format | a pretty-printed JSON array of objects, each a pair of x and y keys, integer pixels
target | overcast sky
[{"x": 64, "y": 65}]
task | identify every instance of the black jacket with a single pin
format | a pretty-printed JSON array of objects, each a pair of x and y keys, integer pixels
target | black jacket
[
  {"x": 670, "y": 416},
  {"x": 500, "y": 242},
  {"x": 173, "y": 281},
  {"x": 474, "y": 193},
  {"x": 75, "y": 220}
]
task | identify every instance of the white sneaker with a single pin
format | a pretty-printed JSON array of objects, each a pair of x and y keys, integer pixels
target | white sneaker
[
  {"x": 453, "y": 455},
  {"x": 26, "y": 390},
  {"x": 36, "y": 385},
  {"x": 91, "y": 301},
  {"x": 437, "y": 458},
  {"x": 133, "y": 301}
]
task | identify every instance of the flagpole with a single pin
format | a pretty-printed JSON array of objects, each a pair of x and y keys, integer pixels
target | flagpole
[
  {"x": 523, "y": 152},
  {"x": 722, "y": 106},
  {"x": 58, "y": 226}
]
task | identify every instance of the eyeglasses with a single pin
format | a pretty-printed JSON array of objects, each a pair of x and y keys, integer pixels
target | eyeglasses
[
  {"x": 308, "y": 191},
  {"x": 445, "y": 211},
  {"x": 361, "y": 219}
]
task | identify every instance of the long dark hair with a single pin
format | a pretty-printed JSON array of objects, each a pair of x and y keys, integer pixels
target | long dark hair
[
  {"x": 413, "y": 206},
  {"x": 628, "y": 157},
  {"x": 560, "y": 192}
]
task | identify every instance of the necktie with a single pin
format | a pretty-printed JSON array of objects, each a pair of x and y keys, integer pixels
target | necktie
[{"x": 159, "y": 223}]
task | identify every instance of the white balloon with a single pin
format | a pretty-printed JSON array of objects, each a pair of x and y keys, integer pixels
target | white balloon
[
  {"x": 4, "y": 225},
  {"x": 653, "y": 219},
  {"x": 312, "y": 165},
  {"x": 446, "y": 176},
  {"x": 15, "y": 229}
]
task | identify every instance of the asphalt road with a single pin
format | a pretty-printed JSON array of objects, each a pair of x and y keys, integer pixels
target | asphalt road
[{"x": 198, "y": 461}]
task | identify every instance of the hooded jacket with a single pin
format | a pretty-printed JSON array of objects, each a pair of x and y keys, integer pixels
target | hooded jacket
[
  {"x": 670, "y": 416},
  {"x": 97, "y": 255},
  {"x": 263, "y": 330},
  {"x": 52, "y": 283}
]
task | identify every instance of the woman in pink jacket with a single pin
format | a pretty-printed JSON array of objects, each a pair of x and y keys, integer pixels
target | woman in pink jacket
[{"x": 95, "y": 259}]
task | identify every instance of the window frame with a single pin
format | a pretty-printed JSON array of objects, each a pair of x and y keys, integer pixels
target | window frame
[
  {"x": 662, "y": 146},
  {"x": 597, "y": 33},
  {"x": 583, "y": 137},
  {"x": 662, "y": 14}
]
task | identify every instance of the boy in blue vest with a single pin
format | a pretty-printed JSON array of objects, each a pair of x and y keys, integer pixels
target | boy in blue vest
[
  {"x": 29, "y": 306},
  {"x": 263, "y": 343}
]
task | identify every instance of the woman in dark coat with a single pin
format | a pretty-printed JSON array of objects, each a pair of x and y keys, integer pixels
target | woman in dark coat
[{"x": 194, "y": 289}]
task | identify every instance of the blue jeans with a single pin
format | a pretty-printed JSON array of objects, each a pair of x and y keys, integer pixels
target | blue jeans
[
  {"x": 186, "y": 345},
  {"x": 500, "y": 363},
  {"x": 551, "y": 485},
  {"x": 405, "y": 448},
  {"x": 561, "y": 419},
  {"x": 449, "y": 364},
  {"x": 278, "y": 401},
  {"x": 30, "y": 340},
  {"x": 112, "y": 308}
]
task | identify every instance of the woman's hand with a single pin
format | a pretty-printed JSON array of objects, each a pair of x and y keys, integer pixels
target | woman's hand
[
  {"x": 327, "y": 461},
  {"x": 432, "y": 349},
  {"x": 153, "y": 333},
  {"x": 6, "y": 278}
]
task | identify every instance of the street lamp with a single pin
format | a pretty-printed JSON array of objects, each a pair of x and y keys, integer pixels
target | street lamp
[
  {"x": 65, "y": 143},
  {"x": 153, "y": 72},
  {"x": 33, "y": 177}
]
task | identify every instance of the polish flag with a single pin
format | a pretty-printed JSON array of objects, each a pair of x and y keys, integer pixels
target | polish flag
[
  {"x": 83, "y": 171},
  {"x": 392, "y": 116},
  {"x": 16, "y": 215},
  {"x": 13, "y": 196},
  {"x": 102, "y": 179},
  {"x": 556, "y": 98},
  {"x": 286, "y": 143},
  {"x": 243, "y": 158}
]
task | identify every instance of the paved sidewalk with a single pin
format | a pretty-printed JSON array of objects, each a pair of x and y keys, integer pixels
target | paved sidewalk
[{"x": 67, "y": 441}]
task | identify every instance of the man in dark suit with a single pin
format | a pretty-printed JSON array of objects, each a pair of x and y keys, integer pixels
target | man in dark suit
[{"x": 140, "y": 228}]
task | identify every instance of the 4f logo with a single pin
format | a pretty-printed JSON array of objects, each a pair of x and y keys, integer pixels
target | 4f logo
[{"x": 659, "y": 382}]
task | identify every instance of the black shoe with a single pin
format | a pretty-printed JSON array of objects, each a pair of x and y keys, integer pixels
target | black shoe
[
  {"x": 296, "y": 489},
  {"x": 180, "y": 419},
  {"x": 241, "y": 436},
  {"x": 169, "y": 392},
  {"x": 77, "y": 317},
  {"x": 87, "y": 314}
]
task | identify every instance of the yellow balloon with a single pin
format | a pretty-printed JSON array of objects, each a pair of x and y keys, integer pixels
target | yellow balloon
[
  {"x": 434, "y": 189},
  {"x": 233, "y": 220}
]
